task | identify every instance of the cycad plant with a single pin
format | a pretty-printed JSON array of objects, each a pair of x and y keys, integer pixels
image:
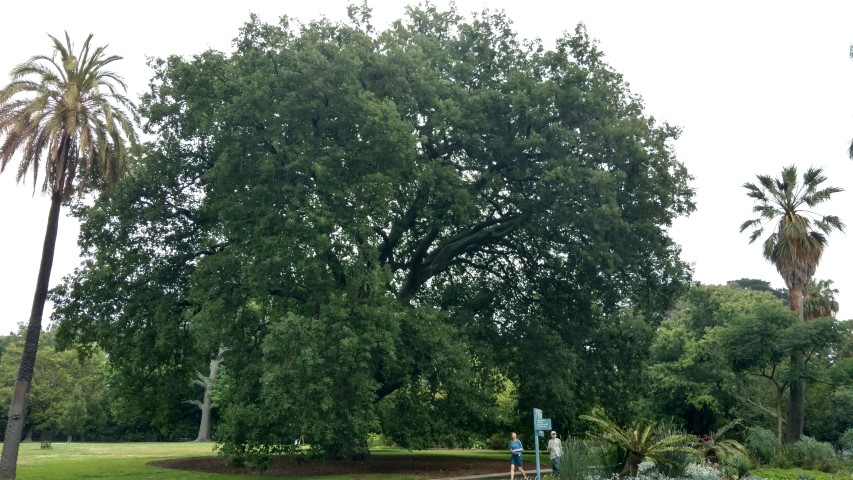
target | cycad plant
[
  {"x": 643, "y": 441},
  {"x": 717, "y": 447}
]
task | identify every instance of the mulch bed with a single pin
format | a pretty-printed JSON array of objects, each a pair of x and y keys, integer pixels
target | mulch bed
[{"x": 425, "y": 466}]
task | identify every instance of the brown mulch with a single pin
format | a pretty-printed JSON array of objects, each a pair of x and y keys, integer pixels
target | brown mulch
[{"x": 425, "y": 466}]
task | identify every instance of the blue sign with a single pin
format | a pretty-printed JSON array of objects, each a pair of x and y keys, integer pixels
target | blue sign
[{"x": 541, "y": 424}]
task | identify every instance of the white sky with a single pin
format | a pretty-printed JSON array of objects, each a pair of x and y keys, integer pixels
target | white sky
[{"x": 754, "y": 86}]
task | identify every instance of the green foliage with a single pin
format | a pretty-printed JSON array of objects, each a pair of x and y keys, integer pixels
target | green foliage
[
  {"x": 381, "y": 227},
  {"x": 820, "y": 300},
  {"x": 69, "y": 395},
  {"x": 583, "y": 459},
  {"x": 762, "y": 444},
  {"x": 814, "y": 455},
  {"x": 376, "y": 441},
  {"x": 702, "y": 350},
  {"x": 644, "y": 441},
  {"x": 806, "y": 453},
  {"x": 737, "y": 466},
  {"x": 794, "y": 474},
  {"x": 846, "y": 440},
  {"x": 762, "y": 286},
  {"x": 718, "y": 447}
]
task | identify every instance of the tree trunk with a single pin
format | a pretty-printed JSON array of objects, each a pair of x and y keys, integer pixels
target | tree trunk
[
  {"x": 632, "y": 463},
  {"x": 779, "y": 393},
  {"x": 797, "y": 406},
  {"x": 796, "y": 297},
  {"x": 20, "y": 393},
  {"x": 206, "y": 405}
]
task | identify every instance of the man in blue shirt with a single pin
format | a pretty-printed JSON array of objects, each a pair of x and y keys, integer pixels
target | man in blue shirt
[{"x": 515, "y": 457}]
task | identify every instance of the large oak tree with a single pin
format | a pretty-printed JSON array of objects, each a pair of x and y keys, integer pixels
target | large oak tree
[{"x": 376, "y": 224}]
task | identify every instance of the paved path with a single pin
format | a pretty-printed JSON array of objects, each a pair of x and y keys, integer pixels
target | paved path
[{"x": 531, "y": 475}]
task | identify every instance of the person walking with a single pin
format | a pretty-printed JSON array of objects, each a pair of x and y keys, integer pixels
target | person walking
[
  {"x": 555, "y": 451},
  {"x": 516, "y": 449}
]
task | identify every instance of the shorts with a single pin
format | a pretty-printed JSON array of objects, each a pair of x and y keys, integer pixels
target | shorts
[{"x": 515, "y": 460}]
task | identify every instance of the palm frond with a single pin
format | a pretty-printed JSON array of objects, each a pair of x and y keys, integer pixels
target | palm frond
[{"x": 70, "y": 108}]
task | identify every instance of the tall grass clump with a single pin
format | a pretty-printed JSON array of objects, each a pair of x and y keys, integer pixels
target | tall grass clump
[{"x": 583, "y": 460}]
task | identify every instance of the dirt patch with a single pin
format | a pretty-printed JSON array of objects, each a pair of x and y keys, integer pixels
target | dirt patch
[{"x": 416, "y": 465}]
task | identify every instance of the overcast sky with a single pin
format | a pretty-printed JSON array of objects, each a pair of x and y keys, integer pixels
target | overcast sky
[{"x": 754, "y": 85}]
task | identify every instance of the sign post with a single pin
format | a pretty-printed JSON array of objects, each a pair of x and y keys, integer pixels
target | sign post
[{"x": 539, "y": 426}]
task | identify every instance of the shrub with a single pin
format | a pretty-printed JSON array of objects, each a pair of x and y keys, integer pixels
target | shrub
[
  {"x": 782, "y": 457},
  {"x": 702, "y": 472},
  {"x": 812, "y": 454},
  {"x": 642, "y": 441},
  {"x": 762, "y": 444},
  {"x": 737, "y": 466},
  {"x": 676, "y": 464},
  {"x": 846, "y": 440},
  {"x": 581, "y": 460},
  {"x": 497, "y": 441},
  {"x": 378, "y": 440}
]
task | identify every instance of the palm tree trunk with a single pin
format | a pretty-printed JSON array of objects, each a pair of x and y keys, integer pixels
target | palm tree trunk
[
  {"x": 797, "y": 405},
  {"x": 18, "y": 408},
  {"x": 796, "y": 297}
]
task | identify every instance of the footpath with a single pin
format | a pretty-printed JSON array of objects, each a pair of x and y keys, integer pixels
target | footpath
[{"x": 500, "y": 476}]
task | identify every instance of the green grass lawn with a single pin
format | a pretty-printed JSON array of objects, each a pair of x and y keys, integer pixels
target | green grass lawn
[
  {"x": 109, "y": 460},
  {"x": 797, "y": 474},
  {"x": 128, "y": 461}
]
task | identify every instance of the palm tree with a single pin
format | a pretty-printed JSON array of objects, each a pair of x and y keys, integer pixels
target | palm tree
[
  {"x": 64, "y": 115},
  {"x": 820, "y": 300},
  {"x": 795, "y": 247}
]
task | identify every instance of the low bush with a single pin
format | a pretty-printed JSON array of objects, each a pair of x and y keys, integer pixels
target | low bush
[
  {"x": 582, "y": 460},
  {"x": 762, "y": 444},
  {"x": 814, "y": 455},
  {"x": 846, "y": 440},
  {"x": 378, "y": 440},
  {"x": 736, "y": 466}
]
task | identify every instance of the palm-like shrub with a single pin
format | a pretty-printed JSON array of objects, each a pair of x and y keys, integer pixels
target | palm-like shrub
[
  {"x": 718, "y": 448},
  {"x": 642, "y": 441}
]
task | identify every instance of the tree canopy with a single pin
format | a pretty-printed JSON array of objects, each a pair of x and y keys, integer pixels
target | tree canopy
[{"x": 382, "y": 227}]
